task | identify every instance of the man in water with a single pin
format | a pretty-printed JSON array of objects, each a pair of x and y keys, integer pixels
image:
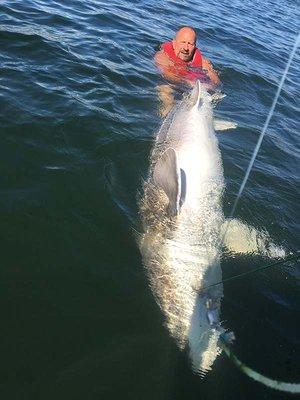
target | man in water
[{"x": 180, "y": 61}]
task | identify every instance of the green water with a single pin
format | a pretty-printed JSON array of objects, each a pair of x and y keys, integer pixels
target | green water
[{"x": 78, "y": 114}]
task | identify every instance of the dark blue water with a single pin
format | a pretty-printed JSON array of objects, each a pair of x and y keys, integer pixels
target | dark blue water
[{"x": 78, "y": 113}]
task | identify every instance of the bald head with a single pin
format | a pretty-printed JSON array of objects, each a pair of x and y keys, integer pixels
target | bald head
[
  {"x": 186, "y": 30},
  {"x": 184, "y": 43}
]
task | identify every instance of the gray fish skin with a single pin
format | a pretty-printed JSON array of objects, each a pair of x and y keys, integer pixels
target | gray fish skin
[{"x": 181, "y": 211}]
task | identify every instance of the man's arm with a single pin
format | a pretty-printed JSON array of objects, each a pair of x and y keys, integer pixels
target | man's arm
[
  {"x": 165, "y": 65},
  {"x": 211, "y": 73}
]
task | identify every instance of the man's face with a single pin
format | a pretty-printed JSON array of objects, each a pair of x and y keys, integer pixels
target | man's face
[{"x": 184, "y": 44}]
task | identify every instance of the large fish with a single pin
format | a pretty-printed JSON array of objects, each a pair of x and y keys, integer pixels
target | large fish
[
  {"x": 184, "y": 230},
  {"x": 182, "y": 216}
]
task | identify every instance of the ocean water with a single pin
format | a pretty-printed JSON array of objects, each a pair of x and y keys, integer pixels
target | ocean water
[{"x": 78, "y": 115}]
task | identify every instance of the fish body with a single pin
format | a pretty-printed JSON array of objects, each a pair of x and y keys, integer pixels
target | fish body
[
  {"x": 184, "y": 228},
  {"x": 182, "y": 217}
]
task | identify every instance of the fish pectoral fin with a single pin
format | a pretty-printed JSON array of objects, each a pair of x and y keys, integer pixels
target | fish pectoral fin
[
  {"x": 222, "y": 125},
  {"x": 167, "y": 176},
  {"x": 245, "y": 239}
]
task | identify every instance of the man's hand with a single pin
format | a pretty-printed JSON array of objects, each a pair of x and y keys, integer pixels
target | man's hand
[{"x": 211, "y": 73}]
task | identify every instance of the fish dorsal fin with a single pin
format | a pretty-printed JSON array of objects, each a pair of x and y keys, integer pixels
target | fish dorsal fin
[
  {"x": 167, "y": 176},
  {"x": 196, "y": 95}
]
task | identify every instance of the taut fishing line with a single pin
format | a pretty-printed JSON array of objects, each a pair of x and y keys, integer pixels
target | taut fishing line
[
  {"x": 271, "y": 112},
  {"x": 261, "y": 136},
  {"x": 293, "y": 257}
]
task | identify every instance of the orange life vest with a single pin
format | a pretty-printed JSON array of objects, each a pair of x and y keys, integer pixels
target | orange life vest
[
  {"x": 196, "y": 62},
  {"x": 191, "y": 70}
]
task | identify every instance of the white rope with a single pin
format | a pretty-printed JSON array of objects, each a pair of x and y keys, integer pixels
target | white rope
[{"x": 276, "y": 384}]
